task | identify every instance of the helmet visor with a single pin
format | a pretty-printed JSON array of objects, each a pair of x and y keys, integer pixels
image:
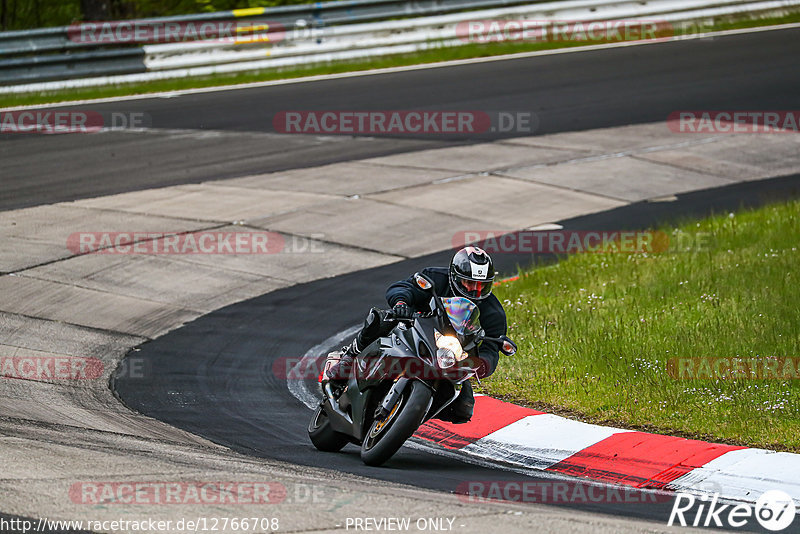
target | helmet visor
[{"x": 474, "y": 289}]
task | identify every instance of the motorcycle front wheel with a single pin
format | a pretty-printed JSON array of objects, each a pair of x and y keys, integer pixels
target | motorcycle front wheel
[
  {"x": 388, "y": 434},
  {"x": 322, "y": 435}
]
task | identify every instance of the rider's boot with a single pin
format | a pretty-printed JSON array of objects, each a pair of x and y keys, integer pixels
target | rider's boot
[
  {"x": 339, "y": 364},
  {"x": 462, "y": 408}
]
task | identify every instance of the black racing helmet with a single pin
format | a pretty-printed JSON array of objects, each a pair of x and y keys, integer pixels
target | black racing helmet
[{"x": 472, "y": 273}]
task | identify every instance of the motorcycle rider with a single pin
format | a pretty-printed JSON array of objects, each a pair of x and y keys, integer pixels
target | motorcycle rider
[{"x": 470, "y": 275}]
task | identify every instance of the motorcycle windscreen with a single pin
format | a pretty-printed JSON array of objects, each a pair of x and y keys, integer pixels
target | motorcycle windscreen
[{"x": 463, "y": 314}]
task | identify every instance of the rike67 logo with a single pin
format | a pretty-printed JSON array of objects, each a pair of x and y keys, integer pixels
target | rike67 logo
[{"x": 774, "y": 510}]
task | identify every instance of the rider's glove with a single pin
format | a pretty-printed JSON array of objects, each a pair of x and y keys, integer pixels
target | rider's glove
[{"x": 401, "y": 310}]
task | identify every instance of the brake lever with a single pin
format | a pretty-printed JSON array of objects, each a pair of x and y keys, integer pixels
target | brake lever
[
  {"x": 390, "y": 316},
  {"x": 417, "y": 315}
]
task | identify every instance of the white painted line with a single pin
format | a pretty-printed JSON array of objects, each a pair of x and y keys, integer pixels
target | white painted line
[
  {"x": 546, "y": 227},
  {"x": 299, "y": 388},
  {"x": 390, "y": 70}
]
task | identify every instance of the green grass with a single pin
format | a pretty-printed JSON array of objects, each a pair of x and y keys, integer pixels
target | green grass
[
  {"x": 429, "y": 56},
  {"x": 595, "y": 332}
]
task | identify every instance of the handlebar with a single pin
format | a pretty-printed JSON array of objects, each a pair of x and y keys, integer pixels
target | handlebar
[{"x": 421, "y": 315}]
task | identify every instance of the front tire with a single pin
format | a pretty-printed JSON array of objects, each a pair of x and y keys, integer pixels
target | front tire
[
  {"x": 322, "y": 435},
  {"x": 387, "y": 435}
]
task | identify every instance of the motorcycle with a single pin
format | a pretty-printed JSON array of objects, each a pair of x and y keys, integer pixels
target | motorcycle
[{"x": 404, "y": 379}]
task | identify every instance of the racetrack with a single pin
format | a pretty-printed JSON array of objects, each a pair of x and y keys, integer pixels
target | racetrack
[
  {"x": 219, "y": 377},
  {"x": 213, "y": 377}
]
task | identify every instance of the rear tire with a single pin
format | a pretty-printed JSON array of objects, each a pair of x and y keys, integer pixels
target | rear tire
[
  {"x": 380, "y": 445},
  {"x": 322, "y": 435}
]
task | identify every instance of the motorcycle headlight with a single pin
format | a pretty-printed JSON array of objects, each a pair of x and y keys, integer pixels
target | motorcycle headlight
[
  {"x": 446, "y": 358},
  {"x": 450, "y": 351}
]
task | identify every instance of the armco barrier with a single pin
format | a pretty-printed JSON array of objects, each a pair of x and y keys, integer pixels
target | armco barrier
[
  {"x": 313, "y": 33},
  {"x": 54, "y": 54},
  {"x": 313, "y": 15}
]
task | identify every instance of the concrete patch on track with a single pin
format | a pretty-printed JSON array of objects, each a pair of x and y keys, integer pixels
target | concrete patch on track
[
  {"x": 38, "y": 235},
  {"x": 479, "y": 158},
  {"x": 348, "y": 179},
  {"x": 206, "y": 202},
  {"x": 602, "y": 177},
  {"x": 737, "y": 158},
  {"x": 343, "y": 217},
  {"x": 502, "y": 201},
  {"x": 380, "y": 226}
]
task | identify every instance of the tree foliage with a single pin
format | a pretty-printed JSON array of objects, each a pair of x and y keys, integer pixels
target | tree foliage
[{"x": 27, "y": 14}]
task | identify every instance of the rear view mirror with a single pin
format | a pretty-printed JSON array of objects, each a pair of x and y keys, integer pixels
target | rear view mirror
[
  {"x": 508, "y": 347},
  {"x": 423, "y": 282}
]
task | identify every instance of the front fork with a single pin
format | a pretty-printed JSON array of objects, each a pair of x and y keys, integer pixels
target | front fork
[
  {"x": 391, "y": 398},
  {"x": 394, "y": 393}
]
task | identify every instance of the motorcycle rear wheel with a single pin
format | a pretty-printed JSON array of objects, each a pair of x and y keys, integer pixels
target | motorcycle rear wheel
[
  {"x": 403, "y": 420},
  {"x": 322, "y": 435}
]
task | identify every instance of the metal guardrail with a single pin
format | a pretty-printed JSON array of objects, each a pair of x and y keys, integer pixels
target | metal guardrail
[
  {"x": 54, "y": 54},
  {"x": 313, "y": 15},
  {"x": 312, "y": 33},
  {"x": 429, "y": 31}
]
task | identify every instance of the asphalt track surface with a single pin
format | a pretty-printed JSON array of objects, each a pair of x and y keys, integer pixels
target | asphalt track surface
[
  {"x": 219, "y": 135},
  {"x": 214, "y": 377}
]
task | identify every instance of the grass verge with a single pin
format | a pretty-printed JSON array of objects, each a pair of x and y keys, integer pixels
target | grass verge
[
  {"x": 596, "y": 333},
  {"x": 429, "y": 56}
]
